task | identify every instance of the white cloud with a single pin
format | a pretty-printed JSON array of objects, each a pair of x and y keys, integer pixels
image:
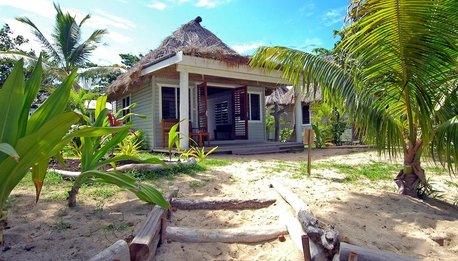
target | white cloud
[
  {"x": 103, "y": 19},
  {"x": 159, "y": 6},
  {"x": 246, "y": 48},
  {"x": 120, "y": 38},
  {"x": 106, "y": 55},
  {"x": 41, "y": 7},
  {"x": 334, "y": 16},
  {"x": 210, "y": 3}
]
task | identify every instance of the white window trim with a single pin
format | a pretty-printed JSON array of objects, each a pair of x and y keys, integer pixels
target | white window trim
[{"x": 260, "y": 106}]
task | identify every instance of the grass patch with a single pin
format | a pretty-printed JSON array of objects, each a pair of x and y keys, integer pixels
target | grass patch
[
  {"x": 373, "y": 171},
  {"x": 168, "y": 173},
  {"x": 216, "y": 163}
]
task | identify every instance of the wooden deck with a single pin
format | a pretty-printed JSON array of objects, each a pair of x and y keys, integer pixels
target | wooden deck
[{"x": 244, "y": 148}]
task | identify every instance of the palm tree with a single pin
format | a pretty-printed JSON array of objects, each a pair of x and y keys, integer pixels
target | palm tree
[
  {"x": 66, "y": 51},
  {"x": 399, "y": 79}
]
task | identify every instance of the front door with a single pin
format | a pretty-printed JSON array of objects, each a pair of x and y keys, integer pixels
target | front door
[
  {"x": 202, "y": 107},
  {"x": 240, "y": 107}
]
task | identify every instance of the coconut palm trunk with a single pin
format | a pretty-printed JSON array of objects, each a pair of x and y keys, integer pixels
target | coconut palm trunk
[{"x": 409, "y": 178}]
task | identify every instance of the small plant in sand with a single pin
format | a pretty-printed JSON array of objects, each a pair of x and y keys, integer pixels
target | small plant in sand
[{"x": 95, "y": 154}]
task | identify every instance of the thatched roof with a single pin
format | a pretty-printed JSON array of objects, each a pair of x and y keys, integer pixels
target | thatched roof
[
  {"x": 192, "y": 39},
  {"x": 285, "y": 96}
]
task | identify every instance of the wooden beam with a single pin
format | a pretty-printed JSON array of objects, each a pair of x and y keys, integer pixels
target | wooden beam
[
  {"x": 323, "y": 235},
  {"x": 144, "y": 240},
  {"x": 229, "y": 235},
  {"x": 221, "y": 203}
]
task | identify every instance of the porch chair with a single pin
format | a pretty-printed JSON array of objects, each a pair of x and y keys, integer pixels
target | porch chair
[
  {"x": 166, "y": 126},
  {"x": 200, "y": 134}
]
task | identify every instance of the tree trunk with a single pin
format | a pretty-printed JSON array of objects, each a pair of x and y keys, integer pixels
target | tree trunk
[
  {"x": 409, "y": 178},
  {"x": 2, "y": 225},
  {"x": 72, "y": 196}
]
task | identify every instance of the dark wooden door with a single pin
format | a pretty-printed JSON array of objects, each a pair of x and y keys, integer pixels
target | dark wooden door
[
  {"x": 240, "y": 107},
  {"x": 202, "y": 107}
]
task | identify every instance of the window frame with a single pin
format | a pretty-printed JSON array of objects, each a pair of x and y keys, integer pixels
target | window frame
[{"x": 260, "y": 106}]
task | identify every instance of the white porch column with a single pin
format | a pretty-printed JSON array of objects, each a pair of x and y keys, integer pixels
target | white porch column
[
  {"x": 298, "y": 113},
  {"x": 184, "y": 109}
]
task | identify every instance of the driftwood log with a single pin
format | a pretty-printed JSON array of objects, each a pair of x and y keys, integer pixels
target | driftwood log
[
  {"x": 153, "y": 167},
  {"x": 365, "y": 254},
  {"x": 310, "y": 250},
  {"x": 220, "y": 203},
  {"x": 229, "y": 235},
  {"x": 146, "y": 241},
  {"x": 324, "y": 236},
  {"x": 117, "y": 251}
]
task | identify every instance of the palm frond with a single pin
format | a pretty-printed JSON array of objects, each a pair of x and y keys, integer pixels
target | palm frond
[
  {"x": 44, "y": 42},
  {"x": 81, "y": 53}
]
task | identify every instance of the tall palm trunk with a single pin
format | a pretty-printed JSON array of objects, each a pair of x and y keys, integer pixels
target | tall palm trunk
[{"x": 413, "y": 174}]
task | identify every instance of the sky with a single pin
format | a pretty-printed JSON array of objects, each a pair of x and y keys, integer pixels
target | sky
[{"x": 139, "y": 26}]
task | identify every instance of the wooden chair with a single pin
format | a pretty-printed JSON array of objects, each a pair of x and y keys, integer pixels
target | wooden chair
[
  {"x": 166, "y": 126},
  {"x": 200, "y": 134}
]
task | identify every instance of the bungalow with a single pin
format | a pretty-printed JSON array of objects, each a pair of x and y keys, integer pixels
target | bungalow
[{"x": 196, "y": 79}]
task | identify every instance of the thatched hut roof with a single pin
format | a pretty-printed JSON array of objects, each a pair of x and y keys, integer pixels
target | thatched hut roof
[
  {"x": 285, "y": 96},
  {"x": 191, "y": 39}
]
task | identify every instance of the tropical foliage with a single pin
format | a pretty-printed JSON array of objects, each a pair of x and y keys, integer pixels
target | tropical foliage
[
  {"x": 29, "y": 141},
  {"x": 398, "y": 79},
  {"x": 95, "y": 153}
]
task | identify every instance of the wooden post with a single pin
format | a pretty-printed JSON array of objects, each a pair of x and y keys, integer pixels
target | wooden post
[
  {"x": 309, "y": 156},
  {"x": 184, "y": 109},
  {"x": 306, "y": 248}
]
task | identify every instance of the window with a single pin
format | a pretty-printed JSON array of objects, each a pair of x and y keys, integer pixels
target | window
[
  {"x": 171, "y": 103},
  {"x": 254, "y": 108},
  {"x": 305, "y": 114},
  {"x": 126, "y": 103},
  {"x": 222, "y": 113}
]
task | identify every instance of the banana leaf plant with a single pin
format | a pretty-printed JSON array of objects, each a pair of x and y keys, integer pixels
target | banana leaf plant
[
  {"x": 28, "y": 141},
  {"x": 95, "y": 153}
]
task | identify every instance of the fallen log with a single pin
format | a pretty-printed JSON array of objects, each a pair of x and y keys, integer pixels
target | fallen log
[
  {"x": 66, "y": 173},
  {"x": 297, "y": 233},
  {"x": 152, "y": 167},
  {"x": 229, "y": 235},
  {"x": 324, "y": 236},
  {"x": 220, "y": 203},
  {"x": 145, "y": 242},
  {"x": 366, "y": 254},
  {"x": 117, "y": 251}
]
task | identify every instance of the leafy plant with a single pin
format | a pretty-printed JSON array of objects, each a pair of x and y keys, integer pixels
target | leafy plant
[
  {"x": 94, "y": 155},
  {"x": 29, "y": 141},
  {"x": 198, "y": 153},
  {"x": 338, "y": 127},
  {"x": 285, "y": 134},
  {"x": 174, "y": 139},
  {"x": 130, "y": 145}
]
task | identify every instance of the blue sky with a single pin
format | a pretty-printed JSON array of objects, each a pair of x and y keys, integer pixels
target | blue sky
[{"x": 138, "y": 26}]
